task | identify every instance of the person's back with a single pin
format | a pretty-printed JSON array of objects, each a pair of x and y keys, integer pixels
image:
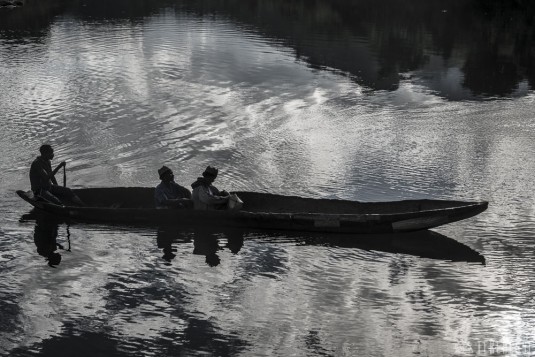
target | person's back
[{"x": 39, "y": 170}]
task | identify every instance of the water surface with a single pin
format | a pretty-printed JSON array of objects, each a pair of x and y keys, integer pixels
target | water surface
[{"x": 370, "y": 101}]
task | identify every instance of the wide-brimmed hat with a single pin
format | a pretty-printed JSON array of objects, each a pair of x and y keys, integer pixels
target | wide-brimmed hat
[
  {"x": 210, "y": 171},
  {"x": 163, "y": 170}
]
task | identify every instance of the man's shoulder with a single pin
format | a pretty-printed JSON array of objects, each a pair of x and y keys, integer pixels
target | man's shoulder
[
  {"x": 172, "y": 184},
  {"x": 176, "y": 185},
  {"x": 38, "y": 162}
]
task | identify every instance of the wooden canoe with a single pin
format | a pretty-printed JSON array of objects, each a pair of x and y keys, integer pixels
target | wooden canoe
[{"x": 135, "y": 205}]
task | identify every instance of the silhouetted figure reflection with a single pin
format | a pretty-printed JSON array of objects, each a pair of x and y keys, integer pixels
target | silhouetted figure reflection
[
  {"x": 205, "y": 243},
  {"x": 234, "y": 240},
  {"x": 164, "y": 240},
  {"x": 45, "y": 238}
]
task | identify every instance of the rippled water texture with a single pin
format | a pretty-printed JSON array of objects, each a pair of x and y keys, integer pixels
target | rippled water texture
[{"x": 333, "y": 99}]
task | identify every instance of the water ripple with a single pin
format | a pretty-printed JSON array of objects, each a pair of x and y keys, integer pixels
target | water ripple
[{"x": 118, "y": 99}]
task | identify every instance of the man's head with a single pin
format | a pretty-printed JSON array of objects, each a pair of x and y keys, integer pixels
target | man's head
[
  {"x": 210, "y": 173},
  {"x": 165, "y": 173},
  {"x": 46, "y": 151}
]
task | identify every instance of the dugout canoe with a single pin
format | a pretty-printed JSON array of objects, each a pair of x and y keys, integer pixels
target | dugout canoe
[{"x": 135, "y": 205}]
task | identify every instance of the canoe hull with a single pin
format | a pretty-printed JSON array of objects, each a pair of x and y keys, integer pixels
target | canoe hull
[
  {"x": 361, "y": 223},
  {"x": 356, "y": 223}
]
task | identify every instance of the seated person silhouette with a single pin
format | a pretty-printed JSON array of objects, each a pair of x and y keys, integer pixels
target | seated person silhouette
[
  {"x": 206, "y": 196},
  {"x": 43, "y": 182},
  {"x": 168, "y": 193}
]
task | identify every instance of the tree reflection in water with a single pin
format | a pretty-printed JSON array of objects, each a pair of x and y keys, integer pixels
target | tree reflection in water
[{"x": 374, "y": 42}]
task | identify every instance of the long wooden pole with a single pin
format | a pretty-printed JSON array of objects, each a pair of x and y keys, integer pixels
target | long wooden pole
[{"x": 64, "y": 177}]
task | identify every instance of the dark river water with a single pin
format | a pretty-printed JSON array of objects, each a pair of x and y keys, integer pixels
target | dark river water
[{"x": 362, "y": 100}]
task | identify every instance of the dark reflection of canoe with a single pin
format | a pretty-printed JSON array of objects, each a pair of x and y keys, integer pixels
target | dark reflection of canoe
[
  {"x": 135, "y": 205},
  {"x": 425, "y": 244}
]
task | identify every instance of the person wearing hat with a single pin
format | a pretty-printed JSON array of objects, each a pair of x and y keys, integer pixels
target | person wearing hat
[
  {"x": 206, "y": 196},
  {"x": 169, "y": 194}
]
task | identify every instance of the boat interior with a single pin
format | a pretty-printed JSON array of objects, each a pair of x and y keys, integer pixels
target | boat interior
[{"x": 141, "y": 197}]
